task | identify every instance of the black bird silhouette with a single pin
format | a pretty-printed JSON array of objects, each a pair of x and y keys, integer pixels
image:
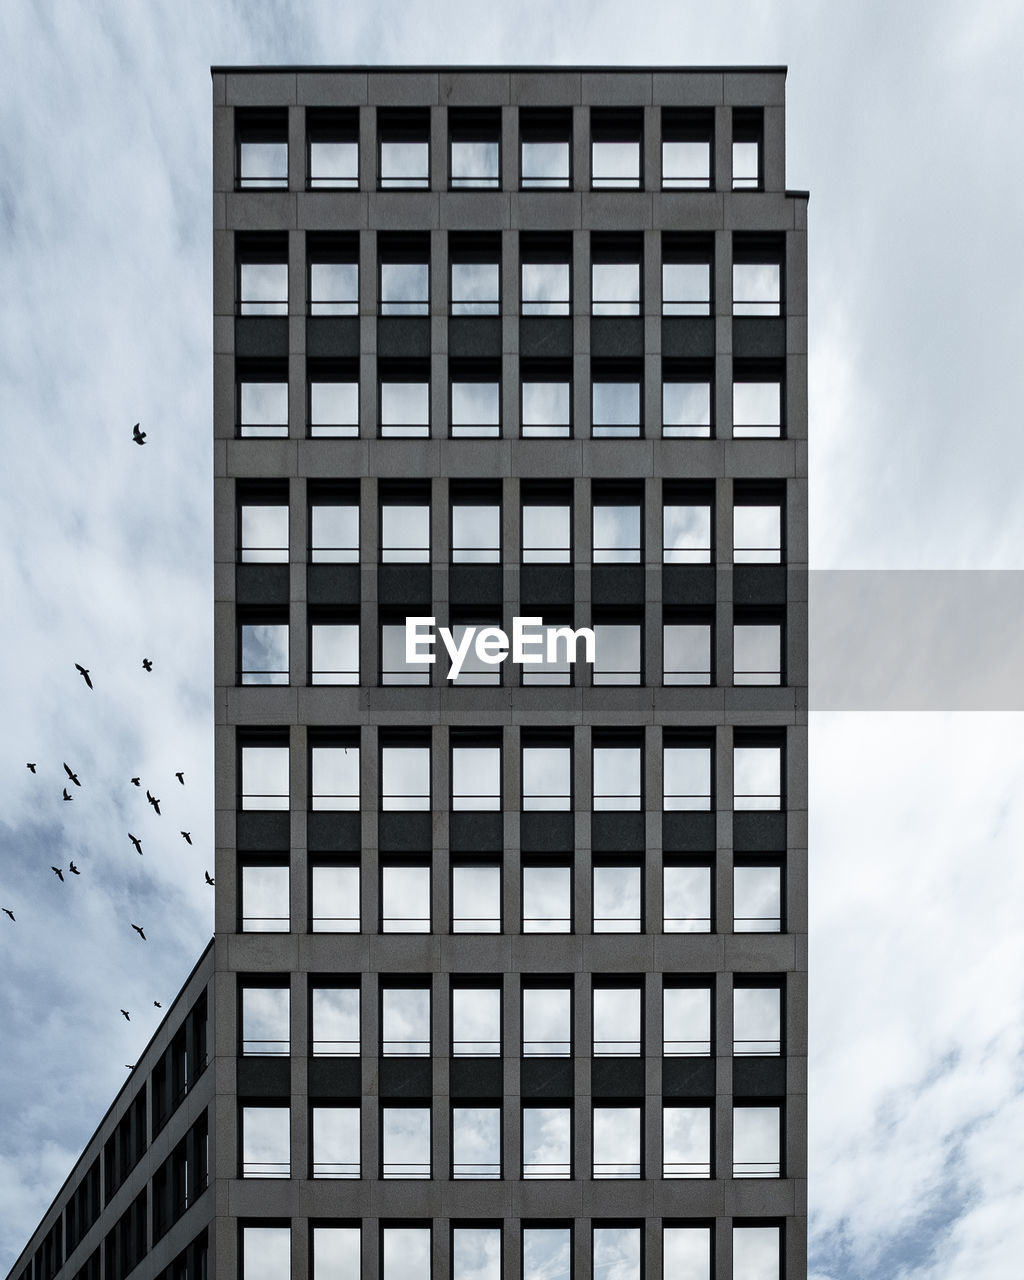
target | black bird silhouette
[
  {"x": 73, "y": 869},
  {"x": 66, "y": 796},
  {"x": 181, "y": 778},
  {"x": 147, "y": 663},
  {"x": 209, "y": 878},
  {"x": 139, "y": 931},
  {"x": 188, "y": 836},
  {"x": 127, "y": 1017},
  {"x": 58, "y": 873},
  {"x": 130, "y": 1066},
  {"x": 138, "y": 436},
  {"x": 136, "y": 842},
  {"x": 154, "y": 802},
  {"x": 30, "y": 766},
  {"x": 8, "y": 912},
  {"x": 83, "y": 673},
  {"x": 158, "y": 1004},
  {"x": 136, "y": 782},
  {"x": 72, "y": 775}
]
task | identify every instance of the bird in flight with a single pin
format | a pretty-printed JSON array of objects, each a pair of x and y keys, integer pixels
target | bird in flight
[
  {"x": 154, "y": 802},
  {"x": 209, "y": 878},
  {"x": 83, "y": 673},
  {"x": 29, "y": 766},
  {"x": 8, "y": 912},
  {"x": 136, "y": 842},
  {"x": 66, "y": 796},
  {"x": 138, "y": 929},
  {"x": 147, "y": 663},
  {"x": 127, "y": 1018},
  {"x": 74, "y": 870},
  {"x": 58, "y": 873},
  {"x": 158, "y": 1004},
  {"x": 181, "y": 777},
  {"x": 130, "y": 1066},
  {"x": 188, "y": 836},
  {"x": 138, "y": 436},
  {"x": 136, "y": 782},
  {"x": 72, "y": 775}
]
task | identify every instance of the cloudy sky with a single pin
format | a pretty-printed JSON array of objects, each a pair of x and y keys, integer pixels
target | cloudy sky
[{"x": 904, "y": 121}]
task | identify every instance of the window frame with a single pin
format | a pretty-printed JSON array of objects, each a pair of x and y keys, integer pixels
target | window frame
[
  {"x": 549, "y": 125},
  {"x": 328, "y": 121},
  {"x": 484, "y": 122}
]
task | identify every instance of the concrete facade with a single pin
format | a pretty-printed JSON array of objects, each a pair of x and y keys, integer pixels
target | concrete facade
[{"x": 304, "y": 381}]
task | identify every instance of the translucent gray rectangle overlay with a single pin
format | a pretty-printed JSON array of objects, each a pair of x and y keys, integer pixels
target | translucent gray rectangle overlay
[{"x": 916, "y": 640}]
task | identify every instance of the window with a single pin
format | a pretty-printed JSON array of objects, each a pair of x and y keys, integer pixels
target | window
[
  {"x": 394, "y": 667},
  {"x": 332, "y": 137},
  {"x": 404, "y": 139},
  {"x": 618, "y": 770},
  {"x": 264, "y": 1018},
  {"x": 757, "y": 773},
  {"x": 476, "y": 1252},
  {"x": 546, "y": 276},
  {"x": 618, "y": 898},
  {"x": 474, "y": 670},
  {"x": 476, "y": 530},
  {"x": 261, "y": 149},
  {"x": 334, "y": 896},
  {"x": 757, "y": 1019},
  {"x": 404, "y": 260},
  {"x": 557, "y": 630},
  {"x": 475, "y": 147},
  {"x": 405, "y": 1141},
  {"x": 757, "y": 650},
  {"x": 546, "y": 391},
  {"x": 756, "y": 1252},
  {"x": 687, "y": 652},
  {"x": 757, "y": 274},
  {"x": 617, "y": 1141},
  {"x": 618, "y": 652},
  {"x": 263, "y": 649},
  {"x": 757, "y": 898},
  {"x": 686, "y": 1019},
  {"x": 686, "y": 400},
  {"x": 756, "y": 1141},
  {"x": 266, "y": 1252},
  {"x": 404, "y": 398},
  {"x": 262, "y": 281},
  {"x": 545, "y": 149},
  {"x": 476, "y": 1019},
  {"x": 618, "y": 1252},
  {"x": 617, "y": 536},
  {"x": 618, "y": 1021},
  {"x": 547, "y": 1253},
  {"x": 333, "y": 398},
  {"x": 688, "y": 528},
  {"x": 405, "y": 1253},
  {"x": 334, "y": 773},
  {"x": 547, "y": 1020},
  {"x": 616, "y": 147},
  {"x": 617, "y": 400},
  {"x": 686, "y": 1141},
  {"x": 266, "y": 1141},
  {"x": 475, "y": 260},
  {"x": 333, "y": 527},
  {"x": 476, "y": 773},
  {"x": 476, "y": 1141},
  {"x": 405, "y": 1022},
  {"x": 547, "y": 530},
  {"x": 687, "y": 262},
  {"x": 264, "y": 897},
  {"x": 405, "y": 897},
  {"x": 687, "y": 893},
  {"x": 747, "y": 148},
  {"x": 335, "y": 1141},
  {"x": 615, "y": 275},
  {"x": 333, "y": 273},
  {"x": 405, "y": 531},
  {"x": 334, "y": 650},
  {"x": 547, "y": 1141},
  {"x": 336, "y": 1254},
  {"x": 757, "y": 401},
  {"x": 547, "y": 775},
  {"x": 475, "y": 400},
  {"x": 547, "y": 897},
  {"x": 687, "y": 774},
  {"x": 405, "y": 777},
  {"x": 686, "y": 1251},
  {"x": 757, "y": 526},
  {"x": 262, "y": 525},
  {"x": 334, "y": 1016},
  {"x": 264, "y": 774},
  {"x": 687, "y": 148},
  {"x": 262, "y": 399}
]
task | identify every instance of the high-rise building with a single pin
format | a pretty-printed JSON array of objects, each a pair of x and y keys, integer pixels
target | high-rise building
[{"x": 509, "y": 971}]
